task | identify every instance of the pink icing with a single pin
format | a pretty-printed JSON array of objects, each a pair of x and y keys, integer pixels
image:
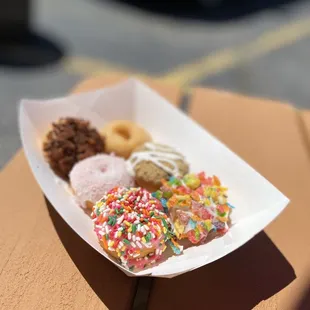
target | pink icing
[
  {"x": 148, "y": 260},
  {"x": 93, "y": 176}
]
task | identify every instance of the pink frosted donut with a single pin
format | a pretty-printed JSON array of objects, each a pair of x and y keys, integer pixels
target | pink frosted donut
[{"x": 92, "y": 177}]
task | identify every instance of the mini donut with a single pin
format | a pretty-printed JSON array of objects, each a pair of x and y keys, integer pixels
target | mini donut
[
  {"x": 69, "y": 141},
  {"x": 197, "y": 206},
  {"x": 122, "y": 137},
  {"x": 153, "y": 162},
  {"x": 92, "y": 177},
  {"x": 131, "y": 226}
]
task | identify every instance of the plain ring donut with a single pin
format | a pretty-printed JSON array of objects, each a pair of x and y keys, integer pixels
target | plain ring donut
[{"x": 122, "y": 137}]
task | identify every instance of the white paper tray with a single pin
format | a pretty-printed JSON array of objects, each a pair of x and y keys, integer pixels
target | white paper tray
[{"x": 257, "y": 201}]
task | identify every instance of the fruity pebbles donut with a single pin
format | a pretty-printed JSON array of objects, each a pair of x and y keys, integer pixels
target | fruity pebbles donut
[
  {"x": 197, "y": 205},
  {"x": 94, "y": 176},
  {"x": 131, "y": 226},
  {"x": 122, "y": 137}
]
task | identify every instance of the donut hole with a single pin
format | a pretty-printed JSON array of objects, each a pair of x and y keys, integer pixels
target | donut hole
[{"x": 123, "y": 132}]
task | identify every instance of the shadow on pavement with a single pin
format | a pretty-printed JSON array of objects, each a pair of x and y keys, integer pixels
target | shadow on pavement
[
  {"x": 212, "y": 10},
  {"x": 29, "y": 50}
]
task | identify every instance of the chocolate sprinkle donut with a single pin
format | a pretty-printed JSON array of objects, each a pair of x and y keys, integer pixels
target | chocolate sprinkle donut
[{"x": 69, "y": 141}]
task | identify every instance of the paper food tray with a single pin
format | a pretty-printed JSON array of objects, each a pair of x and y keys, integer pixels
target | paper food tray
[{"x": 256, "y": 201}]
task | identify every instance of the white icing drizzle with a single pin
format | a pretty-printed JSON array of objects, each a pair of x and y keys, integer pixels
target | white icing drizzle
[{"x": 156, "y": 154}]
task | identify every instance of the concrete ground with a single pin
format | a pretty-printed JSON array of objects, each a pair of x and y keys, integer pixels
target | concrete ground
[{"x": 264, "y": 55}]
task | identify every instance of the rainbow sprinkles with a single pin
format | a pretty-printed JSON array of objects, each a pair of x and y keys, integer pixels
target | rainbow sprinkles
[
  {"x": 131, "y": 226},
  {"x": 197, "y": 206}
]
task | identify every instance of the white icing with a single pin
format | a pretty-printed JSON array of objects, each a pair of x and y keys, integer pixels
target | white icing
[{"x": 156, "y": 154}]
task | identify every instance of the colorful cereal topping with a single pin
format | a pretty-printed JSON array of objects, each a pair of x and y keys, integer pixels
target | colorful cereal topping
[{"x": 197, "y": 205}]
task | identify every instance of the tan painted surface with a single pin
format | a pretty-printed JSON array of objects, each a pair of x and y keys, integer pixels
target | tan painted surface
[{"x": 305, "y": 126}]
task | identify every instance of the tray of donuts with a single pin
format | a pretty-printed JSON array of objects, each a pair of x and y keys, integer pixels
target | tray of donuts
[{"x": 141, "y": 182}]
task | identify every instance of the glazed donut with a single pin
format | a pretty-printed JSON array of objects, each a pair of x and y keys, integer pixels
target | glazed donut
[
  {"x": 122, "y": 137},
  {"x": 131, "y": 226},
  {"x": 94, "y": 176}
]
